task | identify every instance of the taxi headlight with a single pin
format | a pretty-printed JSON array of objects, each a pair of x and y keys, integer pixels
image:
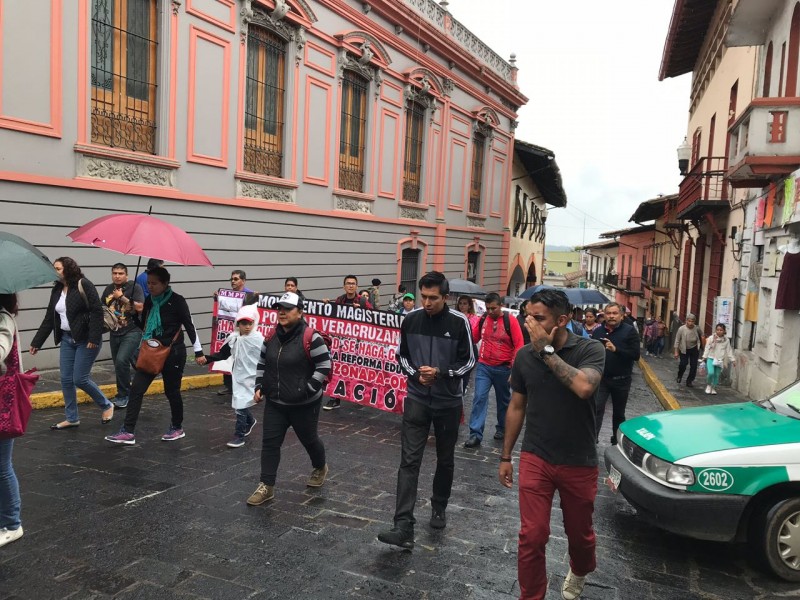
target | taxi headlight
[
  {"x": 666, "y": 471},
  {"x": 680, "y": 475}
]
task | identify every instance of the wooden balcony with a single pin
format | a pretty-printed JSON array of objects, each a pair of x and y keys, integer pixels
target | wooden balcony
[
  {"x": 764, "y": 142},
  {"x": 656, "y": 279},
  {"x": 703, "y": 187}
]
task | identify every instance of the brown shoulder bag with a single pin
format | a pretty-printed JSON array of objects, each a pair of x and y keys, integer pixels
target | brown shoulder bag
[{"x": 153, "y": 354}]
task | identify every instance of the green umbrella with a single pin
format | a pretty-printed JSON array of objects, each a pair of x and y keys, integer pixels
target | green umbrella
[{"x": 22, "y": 265}]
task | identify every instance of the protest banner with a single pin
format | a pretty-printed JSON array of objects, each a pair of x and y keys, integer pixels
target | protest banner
[{"x": 363, "y": 345}]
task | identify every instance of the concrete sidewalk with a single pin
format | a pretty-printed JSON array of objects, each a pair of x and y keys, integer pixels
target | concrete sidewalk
[
  {"x": 661, "y": 375},
  {"x": 47, "y": 393}
]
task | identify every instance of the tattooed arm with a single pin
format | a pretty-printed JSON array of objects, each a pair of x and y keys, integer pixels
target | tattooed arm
[{"x": 582, "y": 382}]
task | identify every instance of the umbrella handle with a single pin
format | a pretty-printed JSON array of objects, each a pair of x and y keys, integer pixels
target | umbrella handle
[{"x": 139, "y": 263}]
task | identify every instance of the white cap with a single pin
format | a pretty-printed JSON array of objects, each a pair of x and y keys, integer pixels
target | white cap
[
  {"x": 289, "y": 300},
  {"x": 248, "y": 312}
]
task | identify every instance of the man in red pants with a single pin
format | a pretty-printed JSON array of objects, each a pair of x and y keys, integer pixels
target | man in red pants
[{"x": 553, "y": 383}]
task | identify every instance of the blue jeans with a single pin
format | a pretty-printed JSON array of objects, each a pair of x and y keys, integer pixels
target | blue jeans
[
  {"x": 123, "y": 347},
  {"x": 244, "y": 419},
  {"x": 487, "y": 377},
  {"x": 76, "y": 365},
  {"x": 9, "y": 488}
]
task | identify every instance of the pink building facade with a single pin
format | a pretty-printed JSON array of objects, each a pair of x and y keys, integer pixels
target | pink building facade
[{"x": 306, "y": 138}]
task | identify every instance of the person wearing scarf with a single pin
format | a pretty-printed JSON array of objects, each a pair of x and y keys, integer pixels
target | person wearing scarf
[{"x": 165, "y": 313}]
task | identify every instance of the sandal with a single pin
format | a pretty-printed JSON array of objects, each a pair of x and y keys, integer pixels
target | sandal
[
  {"x": 107, "y": 415},
  {"x": 65, "y": 425}
]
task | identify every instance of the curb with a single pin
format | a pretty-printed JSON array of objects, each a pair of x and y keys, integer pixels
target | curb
[
  {"x": 192, "y": 382},
  {"x": 666, "y": 399}
]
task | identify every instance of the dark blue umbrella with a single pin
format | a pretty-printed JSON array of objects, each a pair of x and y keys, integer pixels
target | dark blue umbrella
[{"x": 576, "y": 296}]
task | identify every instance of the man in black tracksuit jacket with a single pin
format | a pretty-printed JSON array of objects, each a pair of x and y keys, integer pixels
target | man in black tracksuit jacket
[{"x": 436, "y": 353}]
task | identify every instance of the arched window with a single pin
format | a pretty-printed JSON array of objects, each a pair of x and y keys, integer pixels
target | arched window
[
  {"x": 767, "y": 72},
  {"x": 412, "y": 161},
  {"x": 476, "y": 181},
  {"x": 264, "y": 102},
  {"x": 353, "y": 133},
  {"x": 794, "y": 49},
  {"x": 123, "y": 72}
]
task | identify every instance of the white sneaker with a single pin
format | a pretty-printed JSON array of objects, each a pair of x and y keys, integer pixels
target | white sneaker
[
  {"x": 9, "y": 535},
  {"x": 708, "y": 389},
  {"x": 713, "y": 390},
  {"x": 573, "y": 586}
]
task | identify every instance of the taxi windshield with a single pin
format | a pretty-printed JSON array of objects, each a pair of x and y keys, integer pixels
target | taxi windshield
[{"x": 785, "y": 402}]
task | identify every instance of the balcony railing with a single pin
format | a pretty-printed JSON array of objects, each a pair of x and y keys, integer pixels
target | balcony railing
[
  {"x": 610, "y": 280},
  {"x": 764, "y": 142},
  {"x": 706, "y": 181},
  {"x": 656, "y": 277},
  {"x": 633, "y": 285},
  {"x": 438, "y": 16}
]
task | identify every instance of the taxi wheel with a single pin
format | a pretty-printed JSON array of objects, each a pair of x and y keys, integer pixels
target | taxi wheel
[{"x": 780, "y": 539}]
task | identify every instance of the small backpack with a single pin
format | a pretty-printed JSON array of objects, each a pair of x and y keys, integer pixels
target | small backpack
[
  {"x": 506, "y": 323},
  {"x": 308, "y": 333}
]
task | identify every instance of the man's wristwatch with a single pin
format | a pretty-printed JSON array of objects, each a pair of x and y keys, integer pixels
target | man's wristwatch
[{"x": 546, "y": 351}]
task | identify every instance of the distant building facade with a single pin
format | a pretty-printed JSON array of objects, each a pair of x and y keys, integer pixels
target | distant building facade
[{"x": 535, "y": 184}]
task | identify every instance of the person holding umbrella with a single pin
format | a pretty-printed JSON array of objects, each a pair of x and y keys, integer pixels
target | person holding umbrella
[
  {"x": 165, "y": 313},
  {"x": 75, "y": 318}
]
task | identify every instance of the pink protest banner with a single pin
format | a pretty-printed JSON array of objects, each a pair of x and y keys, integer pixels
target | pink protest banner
[{"x": 363, "y": 344}]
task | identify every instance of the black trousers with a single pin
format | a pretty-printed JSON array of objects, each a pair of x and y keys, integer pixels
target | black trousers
[
  {"x": 691, "y": 357},
  {"x": 304, "y": 419},
  {"x": 417, "y": 420},
  {"x": 618, "y": 389},
  {"x": 172, "y": 375}
]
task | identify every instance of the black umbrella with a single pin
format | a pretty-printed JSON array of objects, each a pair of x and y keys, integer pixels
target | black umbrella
[
  {"x": 465, "y": 287},
  {"x": 576, "y": 296}
]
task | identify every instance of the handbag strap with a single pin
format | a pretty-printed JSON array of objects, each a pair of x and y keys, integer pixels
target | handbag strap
[
  {"x": 83, "y": 294},
  {"x": 175, "y": 337},
  {"x": 13, "y": 362}
]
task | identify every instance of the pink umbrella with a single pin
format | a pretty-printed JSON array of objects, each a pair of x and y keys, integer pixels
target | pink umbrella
[{"x": 142, "y": 235}]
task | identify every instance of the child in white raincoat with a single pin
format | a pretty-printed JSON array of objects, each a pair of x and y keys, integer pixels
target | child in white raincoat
[{"x": 243, "y": 347}]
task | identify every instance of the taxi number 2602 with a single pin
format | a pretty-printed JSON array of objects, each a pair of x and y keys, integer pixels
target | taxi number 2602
[{"x": 715, "y": 480}]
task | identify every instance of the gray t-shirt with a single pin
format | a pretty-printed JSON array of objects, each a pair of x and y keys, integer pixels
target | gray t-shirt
[{"x": 560, "y": 426}]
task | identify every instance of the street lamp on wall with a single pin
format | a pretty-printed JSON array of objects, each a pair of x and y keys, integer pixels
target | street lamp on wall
[{"x": 684, "y": 155}]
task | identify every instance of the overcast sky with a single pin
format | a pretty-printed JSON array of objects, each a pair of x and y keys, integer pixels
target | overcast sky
[{"x": 590, "y": 71}]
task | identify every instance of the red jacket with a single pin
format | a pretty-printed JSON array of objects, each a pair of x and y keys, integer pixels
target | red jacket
[{"x": 497, "y": 348}]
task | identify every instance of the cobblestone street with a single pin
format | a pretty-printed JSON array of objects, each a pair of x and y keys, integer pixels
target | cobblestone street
[{"x": 169, "y": 520}]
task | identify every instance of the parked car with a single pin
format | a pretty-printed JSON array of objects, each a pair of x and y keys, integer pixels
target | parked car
[{"x": 727, "y": 472}]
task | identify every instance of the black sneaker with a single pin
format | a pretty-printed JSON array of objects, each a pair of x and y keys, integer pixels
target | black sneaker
[
  {"x": 499, "y": 435},
  {"x": 398, "y": 537},
  {"x": 472, "y": 442},
  {"x": 679, "y": 379},
  {"x": 438, "y": 518},
  {"x": 332, "y": 403},
  {"x": 689, "y": 384}
]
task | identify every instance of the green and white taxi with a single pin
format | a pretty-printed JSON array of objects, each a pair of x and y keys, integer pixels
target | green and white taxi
[{"x": 727, "y": 472}]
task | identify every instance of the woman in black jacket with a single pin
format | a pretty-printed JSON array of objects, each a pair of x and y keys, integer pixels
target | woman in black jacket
[
  {"x": 290, "y": 378},
  {"x": 164, "y": 313},
  {"x": 75, "y": 317}
]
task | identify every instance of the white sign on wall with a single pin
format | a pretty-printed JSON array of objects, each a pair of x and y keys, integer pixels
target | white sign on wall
[{"x": 723, "y": 313}]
